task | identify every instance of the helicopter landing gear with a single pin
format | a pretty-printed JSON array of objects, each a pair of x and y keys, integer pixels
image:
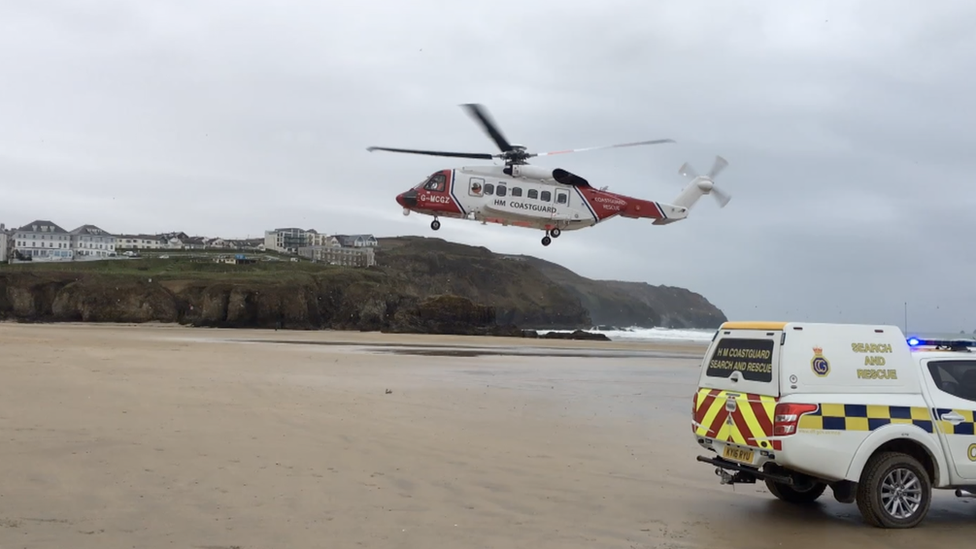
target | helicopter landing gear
[
  {"x": 435, "y": 224},
  {"x": 550, "y": 234}
]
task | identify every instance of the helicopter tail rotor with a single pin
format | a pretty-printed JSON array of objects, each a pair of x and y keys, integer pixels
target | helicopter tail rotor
[{"x": 702, "y": 184}]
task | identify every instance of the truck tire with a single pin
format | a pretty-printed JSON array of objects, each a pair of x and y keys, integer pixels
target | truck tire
[
  {"x": 791, "y": 494},
  {"x": 894, "y": 491}
]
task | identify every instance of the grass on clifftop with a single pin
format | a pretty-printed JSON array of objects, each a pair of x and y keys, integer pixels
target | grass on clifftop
[{"x": 179, "y": 267}]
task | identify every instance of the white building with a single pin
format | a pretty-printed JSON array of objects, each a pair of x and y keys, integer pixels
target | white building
[
  {"x": 139, "y": 242},
  {"x": 4, "y": 243},
  {"x": 175, "y": 241},
  {"x": 357, "y": 240},
  {"x": 314, "y": 239},
  {"x": 42, "y": 240},
  {"x": 292, "y": 240},
  {"x": 91, "y": 242},
  {"x": 287, "y": 240},
  {"x": 338, "y": 255}
]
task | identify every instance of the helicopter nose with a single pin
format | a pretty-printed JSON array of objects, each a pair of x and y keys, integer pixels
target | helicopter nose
[{"x": 407, "y": 199}]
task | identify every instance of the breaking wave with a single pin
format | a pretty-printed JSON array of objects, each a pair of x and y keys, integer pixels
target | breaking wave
[{"x": 635, "y": 333}]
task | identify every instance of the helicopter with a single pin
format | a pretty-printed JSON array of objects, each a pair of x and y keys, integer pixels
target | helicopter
[{"x": 553, "y": 200}]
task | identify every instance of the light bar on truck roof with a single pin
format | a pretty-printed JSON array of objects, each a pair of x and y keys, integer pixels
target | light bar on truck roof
[{"x": 942, "y": 343}]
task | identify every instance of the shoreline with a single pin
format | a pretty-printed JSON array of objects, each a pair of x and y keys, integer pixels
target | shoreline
[{"x": 374, "y": 338}]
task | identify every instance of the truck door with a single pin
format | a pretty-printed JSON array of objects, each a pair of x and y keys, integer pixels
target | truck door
[
  {"x": 951, "y": 384},
  {"x": 737, "y": 393}
]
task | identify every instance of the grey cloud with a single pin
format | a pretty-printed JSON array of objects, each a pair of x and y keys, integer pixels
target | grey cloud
[{"x": 846, "y": 125}]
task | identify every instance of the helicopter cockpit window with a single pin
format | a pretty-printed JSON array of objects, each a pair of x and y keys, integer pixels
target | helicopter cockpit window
[
  {"x": 545, "y": 196},
  {"x": 501, "y": 190},
  {"x": 436, "y": 183},
  {"x": 489, "y": 188},
  {"x": 561, "y": 198}
]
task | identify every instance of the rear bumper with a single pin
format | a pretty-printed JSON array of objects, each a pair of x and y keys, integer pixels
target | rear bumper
[{"x": 751, "y": 471}]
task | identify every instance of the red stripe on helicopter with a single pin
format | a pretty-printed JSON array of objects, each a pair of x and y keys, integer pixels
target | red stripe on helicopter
[{"x": 605, "y": 205}]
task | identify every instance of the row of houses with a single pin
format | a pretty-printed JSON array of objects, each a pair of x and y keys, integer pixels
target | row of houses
[
  {"x": 182, "y": 241},
  {"x": 43, "y": 240}
]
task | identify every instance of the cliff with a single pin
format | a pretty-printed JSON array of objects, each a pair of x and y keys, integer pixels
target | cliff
[
  {"x": 420, "y": 285},
  {"x": 622, "y": 304}
]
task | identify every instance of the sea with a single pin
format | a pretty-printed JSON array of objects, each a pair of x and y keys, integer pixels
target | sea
[{"x": 635, "y": 333}]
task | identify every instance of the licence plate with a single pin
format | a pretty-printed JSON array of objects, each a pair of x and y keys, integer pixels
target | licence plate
[{"x": 737, "y": 454}]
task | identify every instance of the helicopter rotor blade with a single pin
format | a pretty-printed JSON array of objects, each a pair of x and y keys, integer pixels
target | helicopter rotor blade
[
  {"x": 651, "y": 142},
  {"x": 482, "y": 156},
  {"x": 687, "y": 171},
  {"x": 717, "y": 167},
  {"x": 720, "y": 196},
  {"x": 480, "y": 114}
]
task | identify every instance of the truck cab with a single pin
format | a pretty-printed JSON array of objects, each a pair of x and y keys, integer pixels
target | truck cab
[{"x": 879, "y": 418}]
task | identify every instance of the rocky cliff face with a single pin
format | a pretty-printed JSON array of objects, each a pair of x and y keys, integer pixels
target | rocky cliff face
[
  {"x": 616, "y": 303},
  {"x": 354, "y": 302},
  {"x": 421, "y": 285}
]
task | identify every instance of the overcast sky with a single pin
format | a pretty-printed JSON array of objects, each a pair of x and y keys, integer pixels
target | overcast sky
[{"x": 847, "y": 127}]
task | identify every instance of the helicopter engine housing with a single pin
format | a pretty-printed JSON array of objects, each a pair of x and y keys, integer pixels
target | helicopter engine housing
[{"x": 528, "y": 172}]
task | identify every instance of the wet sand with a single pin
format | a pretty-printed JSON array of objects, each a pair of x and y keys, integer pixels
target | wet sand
[{"x": 155, "y": 436}]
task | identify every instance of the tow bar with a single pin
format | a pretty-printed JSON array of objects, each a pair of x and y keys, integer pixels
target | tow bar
[{"x": 743, "y": 475}]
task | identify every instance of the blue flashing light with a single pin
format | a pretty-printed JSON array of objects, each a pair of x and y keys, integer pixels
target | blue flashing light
[{"x": 959, "y": 344}]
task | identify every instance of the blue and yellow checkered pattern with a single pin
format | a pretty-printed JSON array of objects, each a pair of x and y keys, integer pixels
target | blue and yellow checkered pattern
[
  {"x": 964, "y": 428},
  {"x": 866, "y": 417}
]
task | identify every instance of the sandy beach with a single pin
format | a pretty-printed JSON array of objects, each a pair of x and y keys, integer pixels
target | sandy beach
[{"x": 162, "y": 436}]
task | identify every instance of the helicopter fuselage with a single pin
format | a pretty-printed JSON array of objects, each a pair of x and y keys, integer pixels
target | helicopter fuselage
[{"x": 524, "y": 196}]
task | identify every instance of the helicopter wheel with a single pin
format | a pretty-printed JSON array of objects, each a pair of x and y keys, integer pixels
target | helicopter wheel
[
  {"x": 546, "y": 240},
  {"x": 555, "y": 233},
  {"x": 435, "y": 224}
]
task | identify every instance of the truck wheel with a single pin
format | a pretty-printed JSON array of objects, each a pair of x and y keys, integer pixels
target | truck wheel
[
  {"x": 794, "y": 494},
  {"x": 894, "y": 491}
]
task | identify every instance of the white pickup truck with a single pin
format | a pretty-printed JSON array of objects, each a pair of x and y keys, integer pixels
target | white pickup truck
[{"x": 879, "y": 418}]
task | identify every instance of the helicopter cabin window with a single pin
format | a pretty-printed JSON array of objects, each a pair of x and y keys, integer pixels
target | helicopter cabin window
[
  {"x": 545, "y": 196},
  {"x": 489, "y": 188},
  {"x": 561, "y": 197},
  {"x": 501, "y": 190},
  {"x": 436, "y": 183},
  {"x": 476, "y": 186},
  {"x": 516, "y": 191},
  {"x": 533, "y": 194}
]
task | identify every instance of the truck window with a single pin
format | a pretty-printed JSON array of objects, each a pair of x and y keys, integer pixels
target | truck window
[
  {"x": 752, "y": 357},
  {"x": 955, "y": 377}
]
